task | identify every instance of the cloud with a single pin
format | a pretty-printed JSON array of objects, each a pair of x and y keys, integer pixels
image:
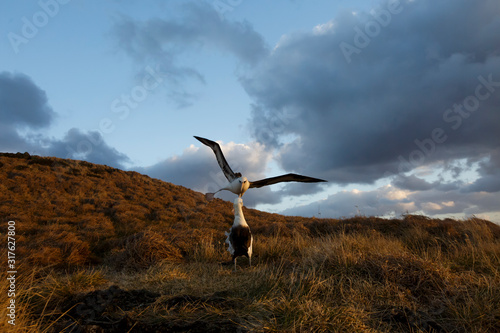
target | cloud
[
  {"x": 412, "y": 183},
  {"x": 489, "y": 171},
  {"x": 23, "y": 103},
  {"x": 24, "y": 109},
  {"x": 12, "y": 141},
  {"x": 390, "y": 200},
  {"x": 298, "y": 189},
  {"x": 382, "y": 201},
  {"x": 89, "y": 146},
  {"x": 425, "y": 87},
  {"x": 163, "y": 41}
]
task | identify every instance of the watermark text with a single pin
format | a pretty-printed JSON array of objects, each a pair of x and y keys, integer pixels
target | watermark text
[{"x": 11, "y": 272}]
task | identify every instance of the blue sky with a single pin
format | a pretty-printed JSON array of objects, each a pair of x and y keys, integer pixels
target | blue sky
[{"x": 395, "y": 103}]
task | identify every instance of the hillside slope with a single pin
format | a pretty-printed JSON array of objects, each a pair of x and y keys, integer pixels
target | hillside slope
[
  {"x": 75, "y": 213},
  {"x": 100, "y": 249},
  {"x": 71, "y": 213}
]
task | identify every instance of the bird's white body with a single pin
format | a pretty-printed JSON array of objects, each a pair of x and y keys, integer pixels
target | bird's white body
[
  {"x": 237, "y": 186},
  {"x": 239, "y": 238}
]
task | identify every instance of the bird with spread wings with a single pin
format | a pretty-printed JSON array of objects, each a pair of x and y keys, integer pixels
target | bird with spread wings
[{"x": 238, "y": 184}]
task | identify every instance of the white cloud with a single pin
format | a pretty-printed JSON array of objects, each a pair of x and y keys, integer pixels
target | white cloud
[
  {"x": 324, "y": 28},
  {"x": 430, "y": 206},
  {"x": 394, "y": 194},
  {"x": 389, "y": 200},
  {"x": 407, "y": 206}
]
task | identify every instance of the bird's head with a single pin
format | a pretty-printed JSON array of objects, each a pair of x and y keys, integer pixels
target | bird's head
[{"x": 245, "y": 184}]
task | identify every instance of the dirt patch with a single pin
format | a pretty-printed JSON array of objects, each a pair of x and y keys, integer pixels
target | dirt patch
[
  {"x": 111, "y": 310},
  {"x": 104, "y": 310},
  {"x": 403, "y": 319}
]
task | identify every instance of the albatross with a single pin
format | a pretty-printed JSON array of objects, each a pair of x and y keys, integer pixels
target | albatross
[
  {"x": 239, "y": 238},
  {"x": 238, "y": 184}
]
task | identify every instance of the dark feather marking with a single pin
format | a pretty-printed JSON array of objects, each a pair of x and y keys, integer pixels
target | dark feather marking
[
  {"x": 290, "y": 177},
  {"x": 226, "y": 169},
  {"x": 240, "y": 237}
]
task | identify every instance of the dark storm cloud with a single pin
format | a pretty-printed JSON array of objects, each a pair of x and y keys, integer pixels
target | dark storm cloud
[
  {"x": 12, "y": 141},
  {"x": 24, "y": 108},
  {"x": 299, "y": 189},
  {"x": 489, "y": 175},
  {"x": 421, "y": 84},
  {"x": 89, "y": 146},
  {"x": 76, "y": 144},
  {"x": 412, "y": 183},
  {"x": 22, "y": 102},
  {"x": 164, "y": 41}
]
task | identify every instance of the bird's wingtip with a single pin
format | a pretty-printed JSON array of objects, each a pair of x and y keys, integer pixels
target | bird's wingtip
[{"x": 206, "y": 142}]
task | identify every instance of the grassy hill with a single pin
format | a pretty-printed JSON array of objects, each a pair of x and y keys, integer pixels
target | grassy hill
[{"x": 100, "y": 249}]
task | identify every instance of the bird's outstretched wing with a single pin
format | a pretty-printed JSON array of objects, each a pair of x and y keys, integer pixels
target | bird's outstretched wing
[
  {"x": 290, "y": 177},
  {"x": 226, "y": 169}
]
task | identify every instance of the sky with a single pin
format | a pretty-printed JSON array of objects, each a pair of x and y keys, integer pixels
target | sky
[{"x": 395, "y": 103}]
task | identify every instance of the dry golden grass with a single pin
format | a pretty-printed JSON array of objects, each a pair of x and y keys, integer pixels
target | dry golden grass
[{"x": 102, "y": 249}]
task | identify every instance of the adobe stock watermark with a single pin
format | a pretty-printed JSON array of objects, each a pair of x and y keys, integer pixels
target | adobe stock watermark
[
  {"x": 363, "y": 36},
  {"x": 152, "y": 79},
  {"x": 11, "y": 272},
  {"x": 32, "y": 24},
  {"x": 122, "y": 106},
  {"x": 454, "y": 117},
  {"x": 224, "y": 6}
]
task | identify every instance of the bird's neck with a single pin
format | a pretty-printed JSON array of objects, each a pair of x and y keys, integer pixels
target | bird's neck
[
  {"x": 239, "y": 221},
  {"x": 239, "y": 218}
]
